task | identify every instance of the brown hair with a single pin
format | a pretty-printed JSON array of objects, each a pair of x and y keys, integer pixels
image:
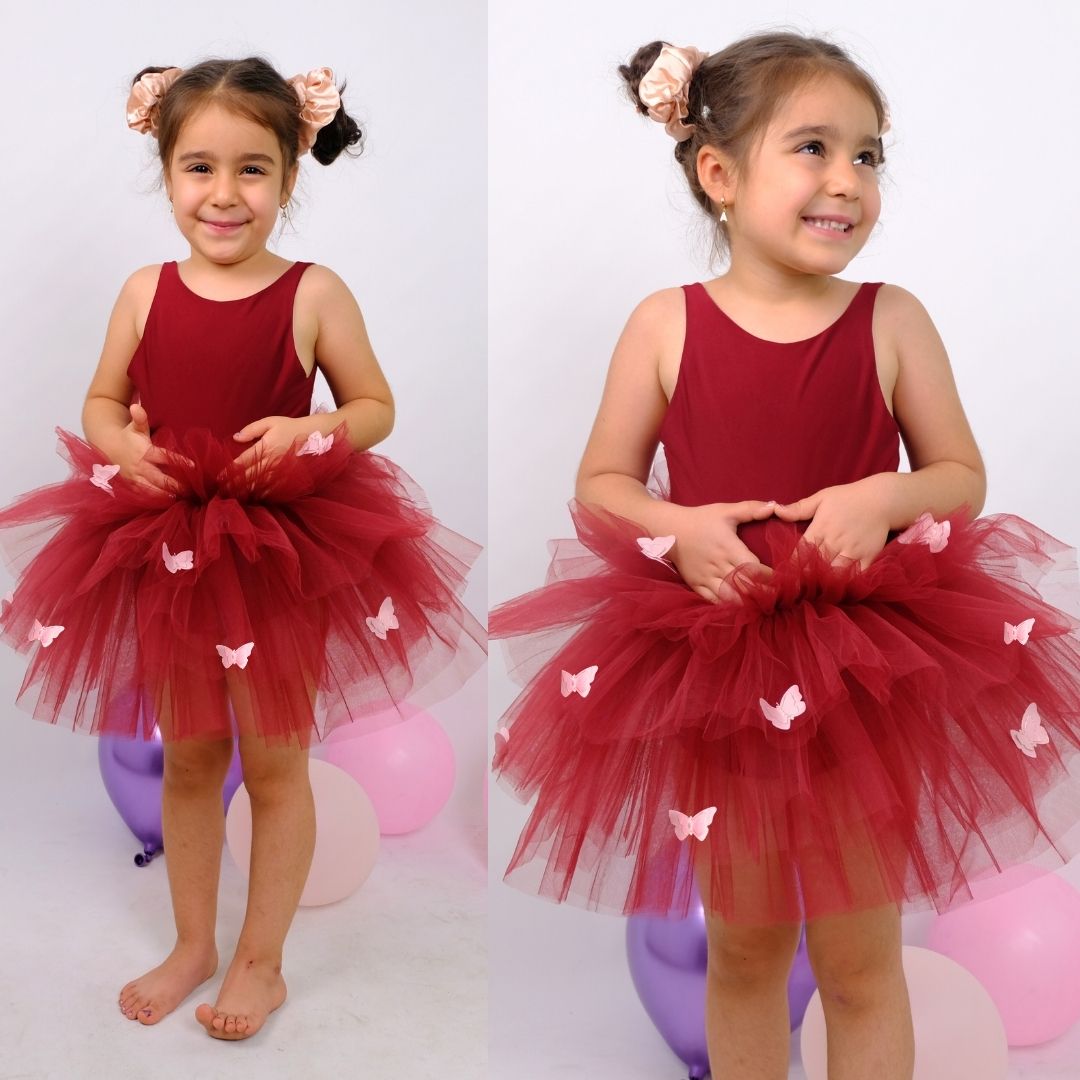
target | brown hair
[
  {"x": 254, "y": 89},
  {"x": 742, "y": 87}
]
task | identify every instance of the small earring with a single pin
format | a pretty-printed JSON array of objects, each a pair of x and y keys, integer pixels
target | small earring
[{"x": 723, "y": 209}]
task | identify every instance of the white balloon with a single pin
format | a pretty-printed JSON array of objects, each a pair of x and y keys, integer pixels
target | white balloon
[
  {"x": 959, "y": 1033},
  {"x": 346, "y": 834}
]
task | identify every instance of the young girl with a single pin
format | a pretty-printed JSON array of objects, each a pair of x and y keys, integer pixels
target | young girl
[
  {"x": 223, "y": 561},
  {"x": 824, "y": 690}
]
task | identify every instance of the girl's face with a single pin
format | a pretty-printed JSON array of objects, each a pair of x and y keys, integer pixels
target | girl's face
[
  {"x": 226, "y": 185},
  {"x": 808, "y": 198}
]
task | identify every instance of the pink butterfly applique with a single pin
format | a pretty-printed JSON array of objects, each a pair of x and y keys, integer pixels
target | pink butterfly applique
[
  {"x": 181, "y": 560},
  {"x": 102, "y": 475},
  {"x": 789, "y": 706},
  {"x": 935, "y": 534},
  {"x": 698, "y": 825},
  {"x": 581, "y": 683},
  {"x": 656, "y": 547},
  {"x": 238, "y": 656},
  {"x": 317, "y": 443},
  {"x": 1019, "y": 632},
  {"x": 1031, "y": 733},
  {"x": 45, "y": 634},
  {"x": 385, "y": 620}
]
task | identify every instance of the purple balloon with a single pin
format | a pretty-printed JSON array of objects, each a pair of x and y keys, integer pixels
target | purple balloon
[
  {"x": 668, "y": 959},
  {"x": 133, "y": 770}
]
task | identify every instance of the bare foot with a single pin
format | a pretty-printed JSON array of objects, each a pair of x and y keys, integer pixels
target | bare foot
[
  {"x": 154, "y": 995},
  {"x": 252, "y": 990}
]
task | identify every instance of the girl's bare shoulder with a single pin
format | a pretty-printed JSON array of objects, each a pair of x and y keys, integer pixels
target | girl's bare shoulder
[
  {"x": 138, "y": 294},
  {"x": 657, "y": 329}
]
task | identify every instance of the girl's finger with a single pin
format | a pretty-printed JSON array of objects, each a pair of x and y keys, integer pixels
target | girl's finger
[{"x": 158, "y": 480}]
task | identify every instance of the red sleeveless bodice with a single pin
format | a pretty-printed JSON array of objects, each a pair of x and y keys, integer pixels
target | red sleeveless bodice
[
  {"x": 757, "y": 419},
  {"x": 220, "y": 364}
]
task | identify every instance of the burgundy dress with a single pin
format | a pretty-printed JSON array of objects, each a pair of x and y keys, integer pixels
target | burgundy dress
[
  {"x": 317, "y": 591},
  {"x": 834, "y": 738}
]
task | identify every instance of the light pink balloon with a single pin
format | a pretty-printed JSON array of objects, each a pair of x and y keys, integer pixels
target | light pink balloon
[
  {"x": 958, "y": 1032},
  {"x": 346, "y": 834},
  {"x": 406, "y": 768},
  {"x": 1021, "y": 940}
]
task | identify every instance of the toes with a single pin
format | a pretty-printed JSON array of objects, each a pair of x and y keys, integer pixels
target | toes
[
  {"x": 230, "y": 1024},
  {"x": 205, "y": 1015},
  {"x": 132, "y": 1005},
  {"x": 148, "y": 1014}
]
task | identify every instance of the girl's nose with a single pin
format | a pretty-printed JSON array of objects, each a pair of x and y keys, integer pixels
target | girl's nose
[
  {"x": 224, "y": 190},
  {"x": 843, "y": 179}
]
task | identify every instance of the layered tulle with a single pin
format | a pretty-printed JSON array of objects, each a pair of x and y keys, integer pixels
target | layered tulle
[
  {"x": 900, "y": 781},
  {"x": 289, "y": 565}
]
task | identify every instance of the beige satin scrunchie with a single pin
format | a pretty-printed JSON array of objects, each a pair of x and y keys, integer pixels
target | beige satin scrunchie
[
  {"x": 142, "y": 106},
  {"x": 318, "y": 97},
  {"x": 665, "y": 86},
  {"x": 319, "y": 100}
]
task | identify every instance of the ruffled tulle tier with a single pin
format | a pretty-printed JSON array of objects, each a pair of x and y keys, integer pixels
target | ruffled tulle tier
[
  {"x": 900, "y": 780},
  {"x": 289, "y": 565}
]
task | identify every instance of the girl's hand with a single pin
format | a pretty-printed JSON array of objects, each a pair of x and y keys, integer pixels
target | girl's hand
[
  {"x": 276, "y": 436},
  {"x": 849, "y": 523},
  {"x": 707, "y": 546},
  {"x": 138, "y": 457}
]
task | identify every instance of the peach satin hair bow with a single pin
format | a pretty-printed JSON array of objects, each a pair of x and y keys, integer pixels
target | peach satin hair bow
[
  {"x": 318, "y": 97},
  {"x": 665, "y": 88}
]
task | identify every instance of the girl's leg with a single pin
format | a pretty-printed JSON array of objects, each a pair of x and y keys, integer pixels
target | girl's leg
[
  {"x": 193, "y": 827},
  {"x": 857, "y": 962},
  {"x": 747, "y": 1019},
  {"x": 282, "y": 845}
]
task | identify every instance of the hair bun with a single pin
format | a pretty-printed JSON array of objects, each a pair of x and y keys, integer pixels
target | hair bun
[{"x": 635, "y": 69}]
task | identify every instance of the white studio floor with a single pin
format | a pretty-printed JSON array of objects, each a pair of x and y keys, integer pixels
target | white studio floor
[{"x": 391, "y": 981}]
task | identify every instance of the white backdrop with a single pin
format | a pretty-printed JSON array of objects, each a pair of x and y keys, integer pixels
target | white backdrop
[
  {"x": 588, "y": 213},
  {"x": 404, "y": 225}
]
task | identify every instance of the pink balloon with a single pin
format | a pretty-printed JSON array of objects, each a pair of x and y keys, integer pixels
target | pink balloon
[
  {"x": 346, "y": 835},
  {"x": 407, "y": 768},
  {"x": 958, "y": 1032},
  {"x": 1021, "y": 939}
]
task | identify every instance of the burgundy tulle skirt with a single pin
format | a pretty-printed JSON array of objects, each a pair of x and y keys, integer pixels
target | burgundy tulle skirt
[
  {"x": 832, "y": 740},
  {"x": 309, "y": 591}
]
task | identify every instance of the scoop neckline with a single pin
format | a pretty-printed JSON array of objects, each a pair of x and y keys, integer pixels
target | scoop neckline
[
  {"x": 798, "y": 341},
  {"x": 235, "y": 300}
]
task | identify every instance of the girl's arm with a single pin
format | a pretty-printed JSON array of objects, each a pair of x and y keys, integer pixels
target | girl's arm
[
  {"x": 114, "y": 426},
  {"x": 620, "y": 450},
  {"x": 105, "y": 411},
  {"x": 347, "y": 360},
  {"x": 624, "y": 437},
  {"x": 947, "y": 469}
]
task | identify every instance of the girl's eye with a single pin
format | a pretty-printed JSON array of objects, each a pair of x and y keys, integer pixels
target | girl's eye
[
  {"x": 246, "y": 167},
  {"x": 873, "y": 158}
]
